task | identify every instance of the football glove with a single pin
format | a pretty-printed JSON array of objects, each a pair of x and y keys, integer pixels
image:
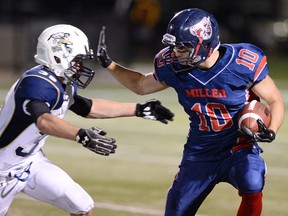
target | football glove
[
  {"x": 95, "y": 140},
  {"x": 102, "y": 56},
  {"x": 264, "y": 134},
  {"x": 153, "y": 110}
]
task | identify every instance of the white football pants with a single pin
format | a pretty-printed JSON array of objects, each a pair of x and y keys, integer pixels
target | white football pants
[{"x": 43, "y": 181}]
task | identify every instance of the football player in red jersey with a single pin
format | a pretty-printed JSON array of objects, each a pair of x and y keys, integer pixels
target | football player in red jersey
[{"x": 213, "y": 82}]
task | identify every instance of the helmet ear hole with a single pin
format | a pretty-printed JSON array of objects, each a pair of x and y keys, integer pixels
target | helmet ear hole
[{"x": 57, "y": 60}]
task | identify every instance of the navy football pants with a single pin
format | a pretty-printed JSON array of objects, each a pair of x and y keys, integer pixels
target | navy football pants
[{"x": 244, "y": 169}]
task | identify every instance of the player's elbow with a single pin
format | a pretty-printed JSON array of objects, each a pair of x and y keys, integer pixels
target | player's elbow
[
  {"x": 41, "y": 123},
  {"x": 147, "y": 90},
  {"x": 140, "y": 92},
  {"x": 140, "y": 89},
  {"x": 135, "y": 88}
]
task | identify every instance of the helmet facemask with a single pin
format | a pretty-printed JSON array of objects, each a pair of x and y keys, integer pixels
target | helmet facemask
[
  {"x": 78, "y": 73},
  {"x": 187, "y": 57}
]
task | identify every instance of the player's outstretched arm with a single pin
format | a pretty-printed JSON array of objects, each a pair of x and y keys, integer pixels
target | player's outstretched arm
[
  {"x": 151, "y": 109},
  {"x": 135, "y": 81},
  {"x": 94, "y": 138}
]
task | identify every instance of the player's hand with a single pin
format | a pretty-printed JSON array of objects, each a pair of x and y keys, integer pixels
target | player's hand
[
  {"x": 264, "y": 134},
  {"x": 153, "y": 110},
  {"x": 102, "y": 55},
  {"x": 95, "y": 140}
]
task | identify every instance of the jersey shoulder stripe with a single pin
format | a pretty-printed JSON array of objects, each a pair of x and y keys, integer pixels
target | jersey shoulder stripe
[{"x": 261, "y": 67}]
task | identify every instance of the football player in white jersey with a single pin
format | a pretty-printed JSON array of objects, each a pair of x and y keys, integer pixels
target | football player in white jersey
[{"x": 34, "y": 108}]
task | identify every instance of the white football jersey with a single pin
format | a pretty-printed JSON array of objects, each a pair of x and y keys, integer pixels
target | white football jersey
[
  {"x": 20, "y": 139},
  {"x": 23, "y": 166}
]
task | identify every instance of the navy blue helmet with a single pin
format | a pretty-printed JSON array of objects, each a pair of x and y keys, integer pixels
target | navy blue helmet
[{"x": 195, "y": 30}]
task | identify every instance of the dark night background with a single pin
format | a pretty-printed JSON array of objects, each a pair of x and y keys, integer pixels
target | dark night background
[{"x": 135, "y": 27}]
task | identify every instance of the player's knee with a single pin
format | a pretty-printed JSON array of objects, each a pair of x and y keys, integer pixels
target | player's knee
[
  {"x": 252, "y": 181},
  {"x": 253, "y": 184},
  {"x": 79, "y": 202}
]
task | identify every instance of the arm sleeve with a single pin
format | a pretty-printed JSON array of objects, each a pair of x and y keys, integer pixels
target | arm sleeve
[
  {"x": 36, "y": 108},
  {"x": 81, "y": 106}
]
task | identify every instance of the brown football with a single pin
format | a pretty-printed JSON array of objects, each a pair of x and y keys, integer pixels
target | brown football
[{"x": 251, "y": 112}]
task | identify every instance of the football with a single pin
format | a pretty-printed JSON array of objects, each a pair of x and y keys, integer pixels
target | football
[{"x": 251, "y": 112}]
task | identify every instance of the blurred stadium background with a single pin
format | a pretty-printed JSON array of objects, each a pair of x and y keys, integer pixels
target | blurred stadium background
[
  {"x": 137, "y": 24},
  {"x": 135, "y": 180}
]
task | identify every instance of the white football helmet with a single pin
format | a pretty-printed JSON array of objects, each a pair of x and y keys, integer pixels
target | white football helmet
[{"x": 62, "y": 48}]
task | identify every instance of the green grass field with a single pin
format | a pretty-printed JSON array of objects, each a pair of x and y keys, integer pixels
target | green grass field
[{"x": 134, "y": 181}]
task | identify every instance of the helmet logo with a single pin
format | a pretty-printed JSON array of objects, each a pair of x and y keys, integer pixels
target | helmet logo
[
  {"x": 60, "y": 40},
  {"x": 202, "y": 29}
]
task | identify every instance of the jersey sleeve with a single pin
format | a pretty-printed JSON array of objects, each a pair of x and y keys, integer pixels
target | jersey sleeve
[
  {"x": 250, "y": 63},
  {"x": 161, "y": 73},
  {"x": 33, "y": 87}
]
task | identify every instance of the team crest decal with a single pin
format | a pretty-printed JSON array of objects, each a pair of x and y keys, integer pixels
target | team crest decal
[
  {"x": 203, "y": 29},
  {"x": 59, "y": 39}
]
